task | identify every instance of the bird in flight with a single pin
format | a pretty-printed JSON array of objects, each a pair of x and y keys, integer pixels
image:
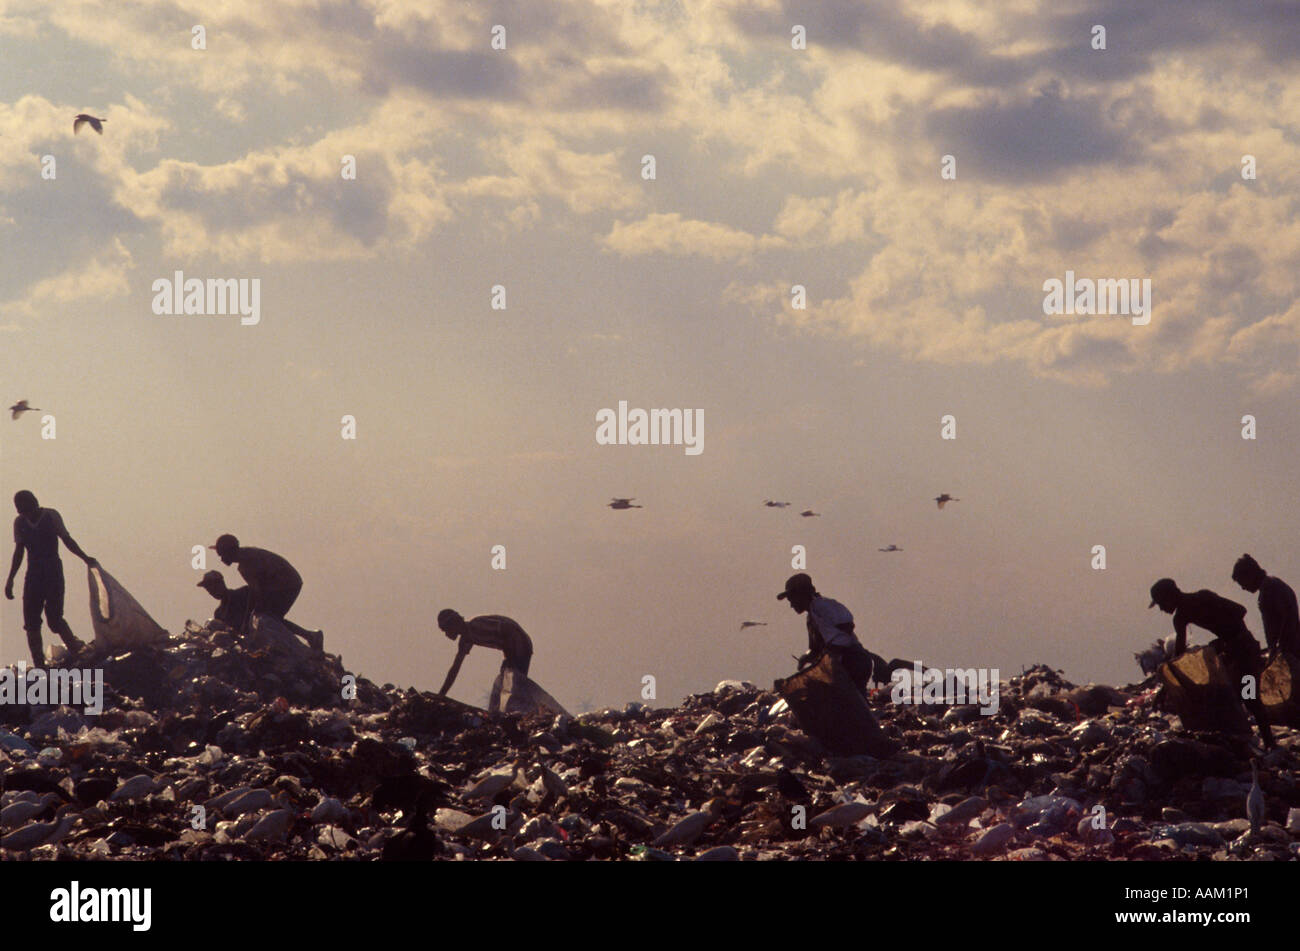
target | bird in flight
[
  {"x": 624, "y": 504},
  {"x": 21, "y": 407},
  {"x": 776, "y": 505},
  {"x": 941, "y": 499},
  {"x": 83, "y": 119},
  {"x": 809, "y": 513},
  {"x": 890, "y": 548},
  {"x": 745, "y": 624}
]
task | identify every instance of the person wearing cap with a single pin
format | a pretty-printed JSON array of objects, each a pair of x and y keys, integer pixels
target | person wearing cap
[
  {"x": 37, "y": 532},
  {"x": 830, "y": 630},
  {"x": 234, "y": 607},
  {"x": 1277, "y": 606},
  {"x": 487, "y": 630},
  {"x": 1225, "y": 619},
  {"x": 273, "y": 582}
]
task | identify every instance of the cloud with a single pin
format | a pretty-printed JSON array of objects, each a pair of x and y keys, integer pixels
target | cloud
[
  {"x": 101, "y": 278},
  {"x": 672, "y": 234},
  {"x": 1121, "y": 163},
  {"x": 1032, "y": 138}
]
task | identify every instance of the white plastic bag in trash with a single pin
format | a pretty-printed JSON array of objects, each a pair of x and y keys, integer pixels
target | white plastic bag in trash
[
  {"x": 514, "y": 693},
  {"x": 118, "y": 619}
]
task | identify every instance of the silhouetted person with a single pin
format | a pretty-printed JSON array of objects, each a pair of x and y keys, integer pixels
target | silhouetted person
[
  {"x": 487, "y": 630},
  {"x": 274, "y": 583},
  {"x": 830, "y": 630},
  {"x": 37, "y": 532},
  {"x": 1225, "y": 619},
  {"x": 234, "y": 608},
  {"x": 1277, "y": 606}
]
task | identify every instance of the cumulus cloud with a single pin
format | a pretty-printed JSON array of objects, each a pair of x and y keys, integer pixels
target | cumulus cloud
[
  {"x": 672, "y": 234},
  {"x": 1122, "y": 163},
  {"x": 102, "y": 278}
]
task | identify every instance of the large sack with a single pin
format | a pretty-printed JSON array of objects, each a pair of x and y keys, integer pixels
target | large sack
[
  {"x": 274, "y": 633},
  {"x": 829, "y": 708},
  {"x": 512, "y": 692},
  {"x": 1199, "y": 689},
  {"x": 1279, "y": 689},
  {"x": 118, "y": 619}
]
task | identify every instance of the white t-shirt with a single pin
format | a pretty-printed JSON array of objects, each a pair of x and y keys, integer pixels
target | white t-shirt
[{"x": 826, "y": 614}]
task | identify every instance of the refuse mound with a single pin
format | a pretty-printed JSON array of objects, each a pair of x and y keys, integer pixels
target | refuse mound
[{"x": 216, "y": 747}]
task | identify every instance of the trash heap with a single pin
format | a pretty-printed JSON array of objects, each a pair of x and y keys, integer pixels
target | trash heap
[{"x": 213, "y": 748}]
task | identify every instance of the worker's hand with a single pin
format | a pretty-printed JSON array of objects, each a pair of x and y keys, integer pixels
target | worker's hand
[
  {"x": 92, "y": 563},
  {"x": 9, "y": 590}
]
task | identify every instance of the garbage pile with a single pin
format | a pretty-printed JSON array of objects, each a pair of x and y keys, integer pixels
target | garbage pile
[{"x": 211, "y": 747}]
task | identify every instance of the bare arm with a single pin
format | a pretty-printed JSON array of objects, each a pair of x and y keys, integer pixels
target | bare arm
[
  {"x": 1180, "y": 643},
  {"x": 73, "y": 546},
  {"x": 455, "y": 667},
  {"x": 13, "y": 570},
  {"x": 1269, "y": 610}
]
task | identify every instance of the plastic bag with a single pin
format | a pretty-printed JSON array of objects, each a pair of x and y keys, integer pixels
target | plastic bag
[
  {"x": 829, "y": 708},
  {"x": 512, "y": 692},
  {"x": 118, "y": 619},
  {"x": 1199, "y": 688},
  {"x": 1279, "y": 689}
]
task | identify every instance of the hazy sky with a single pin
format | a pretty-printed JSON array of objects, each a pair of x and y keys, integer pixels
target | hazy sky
[{"x": 775, "y": 166}]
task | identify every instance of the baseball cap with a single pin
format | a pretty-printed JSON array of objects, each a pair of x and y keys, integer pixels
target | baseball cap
[
  {"x": 1163, "y": 587},
  {"x": 796, "y": 584}
]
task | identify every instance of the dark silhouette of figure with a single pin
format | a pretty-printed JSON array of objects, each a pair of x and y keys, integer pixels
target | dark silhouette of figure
[
  {"x": 37, "y": 532},
  {"x": 414, "y": 795},
  {"x": 830, "y": 629},
  {"x": 273, "y": 582},
  {"x": 1225, "y": 619},
  {"x": 487, "y": 630},
  {"x": 1277, "y": 606},
  {"x": 235, "y": 603}
]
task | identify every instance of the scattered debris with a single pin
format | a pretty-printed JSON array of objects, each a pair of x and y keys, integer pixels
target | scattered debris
[{"x": 214, "y": 746}]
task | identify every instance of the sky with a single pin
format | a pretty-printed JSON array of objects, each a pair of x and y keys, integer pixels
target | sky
[{"x": 920, "y": 171}]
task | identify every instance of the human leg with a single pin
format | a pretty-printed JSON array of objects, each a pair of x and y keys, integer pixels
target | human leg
[
  {"x": 1240, "y": 664},
  {"x": 33, "y": 606},
  {"x": 54, "y": 591},
  {"x": 856, "y": 662}
]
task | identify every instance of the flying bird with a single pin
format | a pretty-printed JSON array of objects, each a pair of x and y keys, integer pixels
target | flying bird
[
  {"x": 624, "y": 504},
  {"x": 83, "y": 119},
  {"x": 809, "y": 513},
  {"x": 890, "y": 548},
  {"x": 21, "y": 407},
  {"x": 941, "y": 499},
  {"x": 775, "y": 505},
  {"x": 745, "y": 624}
]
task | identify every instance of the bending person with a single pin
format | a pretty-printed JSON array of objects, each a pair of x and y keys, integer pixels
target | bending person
[{"x": 487, "y": 630}]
